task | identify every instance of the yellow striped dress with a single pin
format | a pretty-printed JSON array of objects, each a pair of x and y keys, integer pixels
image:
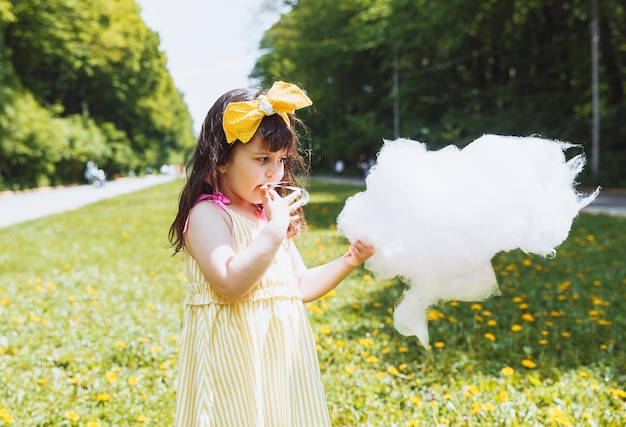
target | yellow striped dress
[{"x": 251, "y": 362}]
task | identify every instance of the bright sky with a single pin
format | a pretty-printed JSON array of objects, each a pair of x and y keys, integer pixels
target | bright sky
[{"x": 211, "y": 45}]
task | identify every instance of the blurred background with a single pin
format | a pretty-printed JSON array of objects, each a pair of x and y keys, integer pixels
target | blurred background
[{"x": 125, "y": 84}]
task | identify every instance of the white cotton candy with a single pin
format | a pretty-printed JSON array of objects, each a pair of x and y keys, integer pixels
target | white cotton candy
[{"x": 437, "y": 218}]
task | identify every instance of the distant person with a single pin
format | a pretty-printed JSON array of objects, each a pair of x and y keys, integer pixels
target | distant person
[
  {"x": 363, "y": 166},
  {"x": 94, "y": 175},
  {"x": 247, "y": 355},
  {"x": 91, "y": 170},
  {"x": 339, "y": 166},
  {"x": 100, "y": 178}
]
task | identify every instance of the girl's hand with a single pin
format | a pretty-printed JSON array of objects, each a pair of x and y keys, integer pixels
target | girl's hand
[
  {"x": 358, "y": 253},
  {"x": 280, "y": 210}
]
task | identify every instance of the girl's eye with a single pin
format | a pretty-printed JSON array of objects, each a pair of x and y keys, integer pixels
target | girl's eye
[{"x": 262, "y": 159}]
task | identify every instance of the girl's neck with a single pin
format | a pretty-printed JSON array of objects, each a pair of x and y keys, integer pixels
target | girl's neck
[{"x": 248, "y": 210}]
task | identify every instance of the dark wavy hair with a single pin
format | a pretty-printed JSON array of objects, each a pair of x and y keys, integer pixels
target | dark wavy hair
[{"x": 212, "y": 151}]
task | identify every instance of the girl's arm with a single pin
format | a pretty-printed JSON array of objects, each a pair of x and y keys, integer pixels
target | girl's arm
[
  {"x": 318, "y": 281},
  {"x": 209, "y": 240}
]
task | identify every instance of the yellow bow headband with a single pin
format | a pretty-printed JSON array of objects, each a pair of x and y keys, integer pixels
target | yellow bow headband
[{"x": 242, "y": 119}]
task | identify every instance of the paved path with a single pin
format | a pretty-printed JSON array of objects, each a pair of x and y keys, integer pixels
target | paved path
[
  {"x": 25, "y": 206},
  {"x": 29, "y": 205},
  {"x": 610, "y": 202}
]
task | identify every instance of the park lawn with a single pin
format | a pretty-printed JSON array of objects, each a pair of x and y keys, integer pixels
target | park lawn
[{"x": 91, "y": 305}]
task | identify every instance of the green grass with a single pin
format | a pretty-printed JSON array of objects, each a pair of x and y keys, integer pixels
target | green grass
[{"x": 91, "y": 307}]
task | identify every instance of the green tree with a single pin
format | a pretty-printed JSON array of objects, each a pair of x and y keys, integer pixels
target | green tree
[
  {"x": 94, "y": 72},
  {"x": 454, "y": 69}
]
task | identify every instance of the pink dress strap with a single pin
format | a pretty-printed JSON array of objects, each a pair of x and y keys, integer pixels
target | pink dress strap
[{"x": 219, "y": 199}]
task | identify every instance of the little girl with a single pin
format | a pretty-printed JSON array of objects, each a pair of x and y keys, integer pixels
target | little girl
[{"x": 247, "y": 355}]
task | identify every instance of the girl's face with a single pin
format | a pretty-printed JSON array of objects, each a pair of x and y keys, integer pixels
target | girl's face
[{"x": 250, "y": 166}]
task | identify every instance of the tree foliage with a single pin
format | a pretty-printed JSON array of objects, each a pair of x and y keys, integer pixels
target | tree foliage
[
  {"x": 451, "y": 71},
  {"x": 84, "y": 79}
]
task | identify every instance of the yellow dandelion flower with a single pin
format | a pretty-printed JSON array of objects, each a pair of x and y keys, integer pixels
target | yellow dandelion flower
[
  {"x": 472, "y": 390},
  {"x": 386, "y": 350},
  {"x": 488, "y": 407},
  {"x": 315, "y": 309},
  {"x": 120, "y": 344},
  {"x": 71, "y": 415},
  {"x": 367, "y": 277},
  {"x": 392, "y": 370},
  {"x": 560, "y": 417},
  {"x": 381, "y": 375},
  {"x": 366, "y": 341},
  {"x": 111, "y": 377},
  {"x": 142, "y": 418},
  {"x": 528, "y": 317},
  {"x": 476, "y": 307},
  {"x": 492, "y": 322},
  {"x": 403, "y": 349},
  {"x": 324, "y": 330},
  {"x": 5, "y": 416},
  {"x": 503, "y": 396},
  {"x": 507, "y": 371},
  {"x": 516, "y": 328},
  {"x": 412, "y": 423},
  {"x": 435, "y": 315},
  {"x": 440, "y": 344},
  {"x": 349, "y": 369},
  {"x": 416, "y": 400},
  {"x": 618, "y": 393},
  {"x": 372, "y": 359},
  {"x": 133, "y": 381},
  {"x": 92, "y": 424},
  {"x": 491, "y": 337},
  {"x": 528, "y": 364},
  {"x": 523, "y": 306},
  {"x": 565, "y": 334},
  {"x": 155, "y": 348},
  {"x": 76, "y": 380},
  {"x": 103, "y": 397}
]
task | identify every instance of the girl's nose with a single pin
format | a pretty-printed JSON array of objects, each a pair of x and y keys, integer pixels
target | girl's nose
[{"x": 273, "y": 170}]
